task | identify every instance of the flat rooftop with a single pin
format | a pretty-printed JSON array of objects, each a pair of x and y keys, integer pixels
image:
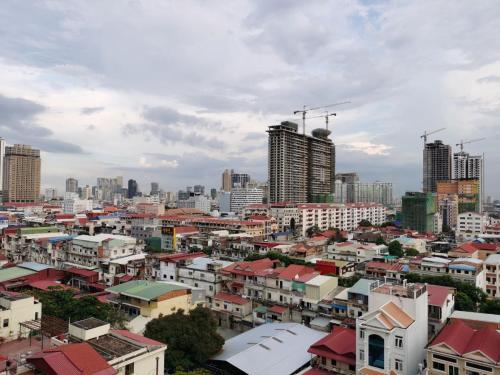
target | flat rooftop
[
  {"x": 111, "y": 347},
  {"x": 89, "y": 323}
]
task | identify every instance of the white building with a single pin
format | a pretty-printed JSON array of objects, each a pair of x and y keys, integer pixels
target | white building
[
  {"x": 392, "y": 335},
  {"x": 200, "y": 202},
  {"x": 224, "y": 198},
  {"x": 492, "y": 275},
  {"x": 242, "y": 197},
  {"x": 15, "y": 309},
  {"x": 50, "y": 193},
  {"x": 342, "y": 216},
  {"x": 470, "y": 225},
  {"x": 72, "y": 204}
]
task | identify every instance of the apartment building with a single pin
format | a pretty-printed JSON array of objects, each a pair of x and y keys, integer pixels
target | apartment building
[
  {"x": 242, "y": 197},
  {"x": 342, "y": 216},
  {"x": 492, "y": 275},
  {"x": 470, "y": 225},
  {"x": 21, "y": 174},
  {"x": 437, "y": 165}
]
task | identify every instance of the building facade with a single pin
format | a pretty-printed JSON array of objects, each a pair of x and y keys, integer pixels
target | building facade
[
  {"x": 418, "y": 211},
  {"x": 437, "y": 165},
  {"x": 466, "y": 166},
  {"x": 21, "y": 174}
]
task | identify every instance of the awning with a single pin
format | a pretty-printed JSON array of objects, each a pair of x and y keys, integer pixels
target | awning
[{"x": 340, "y": 307}]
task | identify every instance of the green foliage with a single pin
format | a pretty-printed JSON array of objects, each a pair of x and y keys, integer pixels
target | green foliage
[
  {"x": 191, "y": 338},
  {"x": 197, "y": 371},
  {"x": 411, "y": 252},
  {"x": 63, "y": 305},
  {"x": 364, "y": 223},
  {"x": 468, "y": 297},
  {"x": 380, "y": 241},
  {"x": 311, "y": 231},
  {"x": 337, "y": 237},
  {"x": 396, "y": 249},
  {"x": 387, "y": 224},
  {"x": 490, "y": 307},
  {"x": 349, "y": 281}
]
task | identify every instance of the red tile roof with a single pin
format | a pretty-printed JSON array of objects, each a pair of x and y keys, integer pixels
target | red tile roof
[
  {"x": 248, "y": 268},
  {"x": 233, "y": 298},
  {"x": 339, "y": 345},
  {"x": 47, "y": 284},
  {"x": 187, "y": 229},
  {"x": 294, "y": 271},
  {"x": 466, "y": 248},
  {"x": 78, "y": 359},
  {"x": 437, "y": 295},
  {"x": 277, "y": 309},
  {"x": 484, "y": 246},
  {"x": 464, "y": 339},
  {"x": 384, "y": 266},
  {"x": 178, "y": 257},
  {"x": 81, "y": 272}
]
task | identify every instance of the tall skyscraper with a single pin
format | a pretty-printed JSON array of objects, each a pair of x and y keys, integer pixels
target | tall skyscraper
[
  {"x": 239, "y": 180},
  {"x": 155, "y": 188},
  {"x": 437, "y": 165},
  {"x": 466, "y": 167},
  {"x": 21, "y": 174},
  {"x": 71, "y": 185},
  {"x": 2, "y": 157},
  {"x": 199, "y": 189},
  {"x": 132, "y": 188},
  {"x": 226, "y": 180},
  {"x": 301, "y": 168}
]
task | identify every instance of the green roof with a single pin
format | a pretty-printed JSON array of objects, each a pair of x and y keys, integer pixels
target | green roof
[
  {"x": 14, "y": 273},
  {"x": 143, "y": 289},
  {"x": 261, "y": 309}
]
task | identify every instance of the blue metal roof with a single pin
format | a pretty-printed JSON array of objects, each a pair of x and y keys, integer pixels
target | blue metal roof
[
  {"x": 34, "y": 266},
  {"x": 61, "y": 238}
]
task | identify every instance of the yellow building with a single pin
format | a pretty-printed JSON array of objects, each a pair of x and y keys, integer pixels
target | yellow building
[{"x": 152, "y": 298}]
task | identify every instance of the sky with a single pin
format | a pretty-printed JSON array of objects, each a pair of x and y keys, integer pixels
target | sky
[{"x": 177, "y": 91}]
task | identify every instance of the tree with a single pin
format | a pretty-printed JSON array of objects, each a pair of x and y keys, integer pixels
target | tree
[
  {"x": 380, "y": 241},
  {"x": 464, "y": 303},
  {"x": 364, "y": 223},
  {"x": 411, "y": 252},
  {"x": 349, "y": 281},
  {"x": 490, "y": 307},
  {"x": 396, "y": 249},
  {"x": 311, "y": 231},
  {"x": 191, "y": 338},
  {"x": 63, "y": 305},
  {"x": 197, "y": 371}
]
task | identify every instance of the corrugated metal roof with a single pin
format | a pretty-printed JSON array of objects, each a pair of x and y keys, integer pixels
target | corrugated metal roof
[
  {"x": 145, "y": 290},
  {"x": 14, "y": 273},
  {"x": 34, "y": 266}
]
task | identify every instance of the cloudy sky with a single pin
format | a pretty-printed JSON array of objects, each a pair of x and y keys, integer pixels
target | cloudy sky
[{"x": 175, "y": 92}]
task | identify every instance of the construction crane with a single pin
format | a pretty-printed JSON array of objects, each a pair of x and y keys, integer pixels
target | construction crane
[
  {"x": 326, "y": 116},
  {"x": 425, "y": 135},
  {"x": 462, "y": 142},
  {"x": 305, "y": 110}
]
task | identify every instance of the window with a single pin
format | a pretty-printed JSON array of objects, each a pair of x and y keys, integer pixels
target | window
[
  {"x": 444, "y": 358},
  {"x": 361, "y": 355},
  {"x": 398, "y": 364},
  {"x": 5, "y": 323},
  {"x": 438, "y": 366},
  {"x": 452, "y": 370},
  {"x": 129, "y": 369},
  {"x": 361, "y": 333},
  {"x": 323, "y": 361},
  {"x": 398, "y": 342},
  {"x": 334, "y": 362},
  {"x": 479, "y": 367}
]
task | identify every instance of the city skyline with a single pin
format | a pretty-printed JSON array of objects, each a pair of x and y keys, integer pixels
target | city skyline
[{"x": 91, "y": 105}]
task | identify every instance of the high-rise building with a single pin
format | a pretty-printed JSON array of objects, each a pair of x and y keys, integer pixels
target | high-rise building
[
  {"x": 50, "y": 193},
  {"x": 71, "y": 185},
  {"x": 437, "y": 165},
  {"x": 418, "y": 211},
  {"x": 21, "y": 174},
  {"x": 348, "y": 178},
  {"x": 132, "y": 188},
  {"x": 226, "y": 180},
  {"x": 213, "y": 193},
  {"x": 199, "y": 189},
  {"x": 242, "y": 197},
  {"x": 2, "y": 157},
  {"x": 467, "y": 191},
  {"x": 239, "y": 180},
  {"x": 155, "y": 188},
  {"x": 301, "y": 168},
  {"x": 359, "y": 192},
  {"x": 466, "y": 166}
]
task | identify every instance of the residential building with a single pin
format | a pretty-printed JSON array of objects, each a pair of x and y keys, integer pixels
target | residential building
[
  {"x": 94, "y": 348},
  {"x": 418, "y": 211},
  {"x": 155, "y": 188},
  {"x": 242, "y": 197},
  {"x": 437, "y": 165},
  {"x": 466, "y": 166},
  {"x": 224, "y": 198},
  {"x": 300, "y": 168},
  {"x": 392, "y": 335},
  {"x": 441, "y": 306},
  {"x": 50, "y": 194},
  {"x": 154, "y": 298},
  {"x": 448, "y": 208},
  {"x": 342, "y": 216},
  {"x": 492, "y": 274},
  {"x": 358, "y": 192},
  {"x": 239, "y": 180},
  {"x": 72, "y": 204},
  {"x": 71, "y": 185},
  {"x": 21, "y": 174},
  {"x": 470, "y": 225},
  {"x": 199, "y": 202},
  {"x": 15, "y": 309},
  {"x": 335, "y": 353},
  {"x": 269, "y": 349},
  {"x": 466, "y": 346},
  {"x": 232, "y": 311}
]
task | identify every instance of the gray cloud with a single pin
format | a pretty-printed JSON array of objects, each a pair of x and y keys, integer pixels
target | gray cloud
[
  {"x": 18, "y": 124},
  {"x": 489, "y": 79},
  {"x": 91, "y": 110}
]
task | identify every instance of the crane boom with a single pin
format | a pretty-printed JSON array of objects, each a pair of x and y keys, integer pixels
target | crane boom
[
  {"x": 326, "y": 116},
  {"x": 305, "y": 110},
  {"x": 462, "y": 142},
  {"x": 426, "y": 134}
]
